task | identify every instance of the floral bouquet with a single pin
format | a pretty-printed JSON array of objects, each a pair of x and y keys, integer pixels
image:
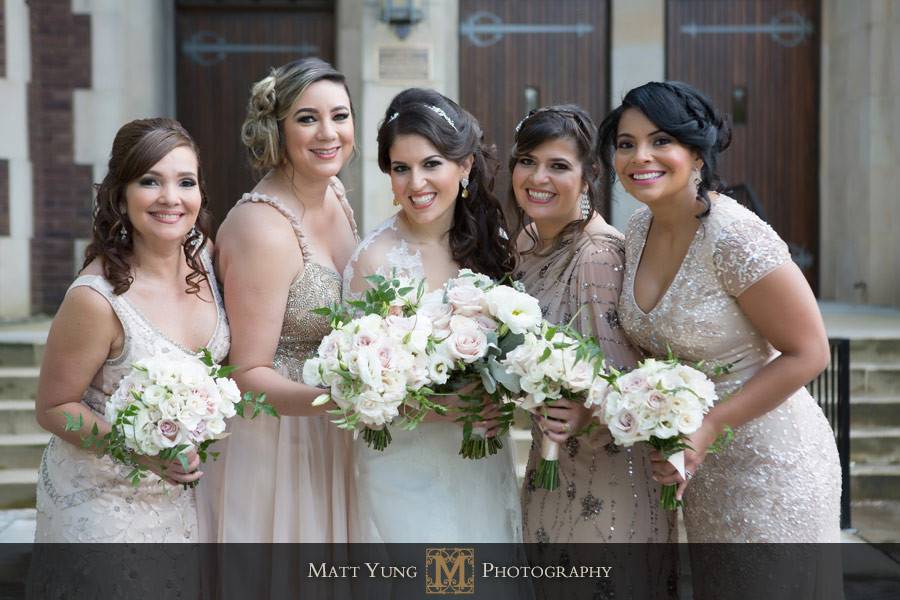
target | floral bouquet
[
  {"x": 551, "y": 363},
  {"x": 378, "y": 365},
  {"x": 476, "y": 321},
  {"x": 166, "y": 407},
  {"x": 660, "y": 402}
]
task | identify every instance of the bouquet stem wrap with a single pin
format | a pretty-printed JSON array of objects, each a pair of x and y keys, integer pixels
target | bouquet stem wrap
[{"x": 547, "y": 475}]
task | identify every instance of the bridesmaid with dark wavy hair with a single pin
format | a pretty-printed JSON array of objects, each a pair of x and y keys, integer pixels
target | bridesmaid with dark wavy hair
[{"x": 710, "y": 281}]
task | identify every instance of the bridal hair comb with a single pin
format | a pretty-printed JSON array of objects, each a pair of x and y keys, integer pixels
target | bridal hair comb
[{"x": 436, "y": 110}]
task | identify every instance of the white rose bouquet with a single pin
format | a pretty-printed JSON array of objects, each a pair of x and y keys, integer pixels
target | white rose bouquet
[
  {"x": 477, "y": 321},
  {"x": 377, "y": 366},
  {"x": 166, "y": 407},
  {"x": 660, "y": 402},
  {"x": 551, "y": 363}
]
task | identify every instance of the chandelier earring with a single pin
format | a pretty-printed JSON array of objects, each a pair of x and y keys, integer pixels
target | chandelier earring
[
  {"x": 195, "y": 237},
  {"x": 585, "y": 203},
  {"x": 464, "y": 182}
]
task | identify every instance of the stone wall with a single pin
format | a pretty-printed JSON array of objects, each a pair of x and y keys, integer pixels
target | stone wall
[{"x": 860, "y": 152}]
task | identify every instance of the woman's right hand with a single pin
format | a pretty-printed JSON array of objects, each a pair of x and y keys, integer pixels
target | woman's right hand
[{"x": 172, "y": 471}]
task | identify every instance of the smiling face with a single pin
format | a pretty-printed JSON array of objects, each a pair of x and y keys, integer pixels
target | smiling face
[
  {"x": 424, "y": 182},
  {"x": 163, "y": 203},
  {"x": 651, "y": 164},
  {"x": 318, "y": 130},
  {"x": 547, "y": 183}
]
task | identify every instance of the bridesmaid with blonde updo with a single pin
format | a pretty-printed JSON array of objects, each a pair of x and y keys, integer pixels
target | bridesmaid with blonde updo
[{"x": 281, "y": 250}]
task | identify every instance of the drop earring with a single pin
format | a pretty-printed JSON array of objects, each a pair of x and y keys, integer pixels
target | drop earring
[
  {"x": 123, "y": 233},
  {"x": 585, "y": 203},
  {"x": 464, "y": 182}
]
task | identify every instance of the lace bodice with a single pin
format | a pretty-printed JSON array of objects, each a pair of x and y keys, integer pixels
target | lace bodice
[
  {"x": 385, "y": 251},
  {"x": 314, "y": 286},
  {"x": 698, "y": 316}
]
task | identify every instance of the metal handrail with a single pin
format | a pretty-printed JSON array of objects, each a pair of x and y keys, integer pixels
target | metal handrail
[{"x": 831, "y": 389}]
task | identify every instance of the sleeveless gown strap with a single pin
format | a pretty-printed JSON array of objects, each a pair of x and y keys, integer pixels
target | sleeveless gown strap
[{"x": 285, "y": 211}]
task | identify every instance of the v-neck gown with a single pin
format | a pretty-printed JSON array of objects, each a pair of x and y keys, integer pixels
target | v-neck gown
[
  {"x": 289, "y": 479},
  {"x": 779, "y": 480}
]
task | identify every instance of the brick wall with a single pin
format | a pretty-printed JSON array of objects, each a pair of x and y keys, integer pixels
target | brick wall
[{"x": 60, "y": 62}]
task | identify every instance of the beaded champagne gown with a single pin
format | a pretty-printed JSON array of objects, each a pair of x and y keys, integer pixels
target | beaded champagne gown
[
  {"x": 779, "y": 480},
  {"x": 83, "y": 498},
  {"x": 418, "y": 489},
  {"x": 288, "y": 479},
  {"x": 606, "y": 493}
]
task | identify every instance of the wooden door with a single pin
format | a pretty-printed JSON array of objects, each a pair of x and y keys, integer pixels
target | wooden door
[
  {"x": 759, "y": 61},
  {"x": 223, "y": 47},
  {"x": 515, "y": 56}
]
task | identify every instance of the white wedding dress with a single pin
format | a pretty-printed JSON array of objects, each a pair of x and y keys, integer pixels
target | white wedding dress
[{"x": 419, "y": 490}]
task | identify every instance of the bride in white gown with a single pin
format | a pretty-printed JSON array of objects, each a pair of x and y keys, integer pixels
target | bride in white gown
[{"x": 419, "y": 489}]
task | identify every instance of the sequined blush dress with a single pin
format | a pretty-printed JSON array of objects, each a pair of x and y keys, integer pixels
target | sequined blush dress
[
  {"x": 288, "y": 479},
  {"x": 779, "y": 480},
  {"x": 83, "y": 498},
  {"x": 606, "y": 493}
]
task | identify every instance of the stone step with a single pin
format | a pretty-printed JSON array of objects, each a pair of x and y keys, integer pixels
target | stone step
[
  {"x": 17, "y": 488},
  {"x": 22, "y": 450},
  {"x": 874, "y": 482},
  {"x": 20, "y": 355},
  {"x": 875, "y": 351},
  {"x": 18, "y": 383},
  {"x": 874, "y": 378},
  {"x": 874, "y": 410},
  {"x": 875, "y": 445},
  {"x": 17, "y": 416}
]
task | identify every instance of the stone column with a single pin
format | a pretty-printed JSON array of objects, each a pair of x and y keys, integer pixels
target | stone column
[
  {"x": 16, "y": 217},
  {"x": 638, "y": 51},
  {"x": 378, "y": 65},
  {"x": 860, "y": 152}
]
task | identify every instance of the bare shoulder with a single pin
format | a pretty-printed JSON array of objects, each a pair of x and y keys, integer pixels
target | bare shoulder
[{"x": 255, "y": 227}]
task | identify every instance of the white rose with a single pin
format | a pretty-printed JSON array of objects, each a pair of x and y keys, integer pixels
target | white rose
[
  {"x": 311, "y": 374},
  {"x": 467, "y": 342},
  {"x": 215, "y": 426},
  {"x": 412, "y": 331},
  {"x": 689, "y": 422},
  {"x": 153, "y": 395},
  {"x": 466, "y": 300},
  {"x": 597, "y": 394},
  {"x": 635, "y": 381},
  {"x": 665, "y": 429},
  {"x": 374, "y": 410},
  {"x": 579, "y": 376},
  {"x": 624, "y": 428},
  {"x": 162, "y": 371},
  {"x": 521, "y": 360},
  {"x": 518, "y": 311},
  {"x": 166, "y": 434},
  {"x": 433, "y": 309},
  {"x": 394, "y": 385}
]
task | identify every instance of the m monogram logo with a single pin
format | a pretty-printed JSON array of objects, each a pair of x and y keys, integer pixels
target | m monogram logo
[{"x": 449, "y": 570}]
